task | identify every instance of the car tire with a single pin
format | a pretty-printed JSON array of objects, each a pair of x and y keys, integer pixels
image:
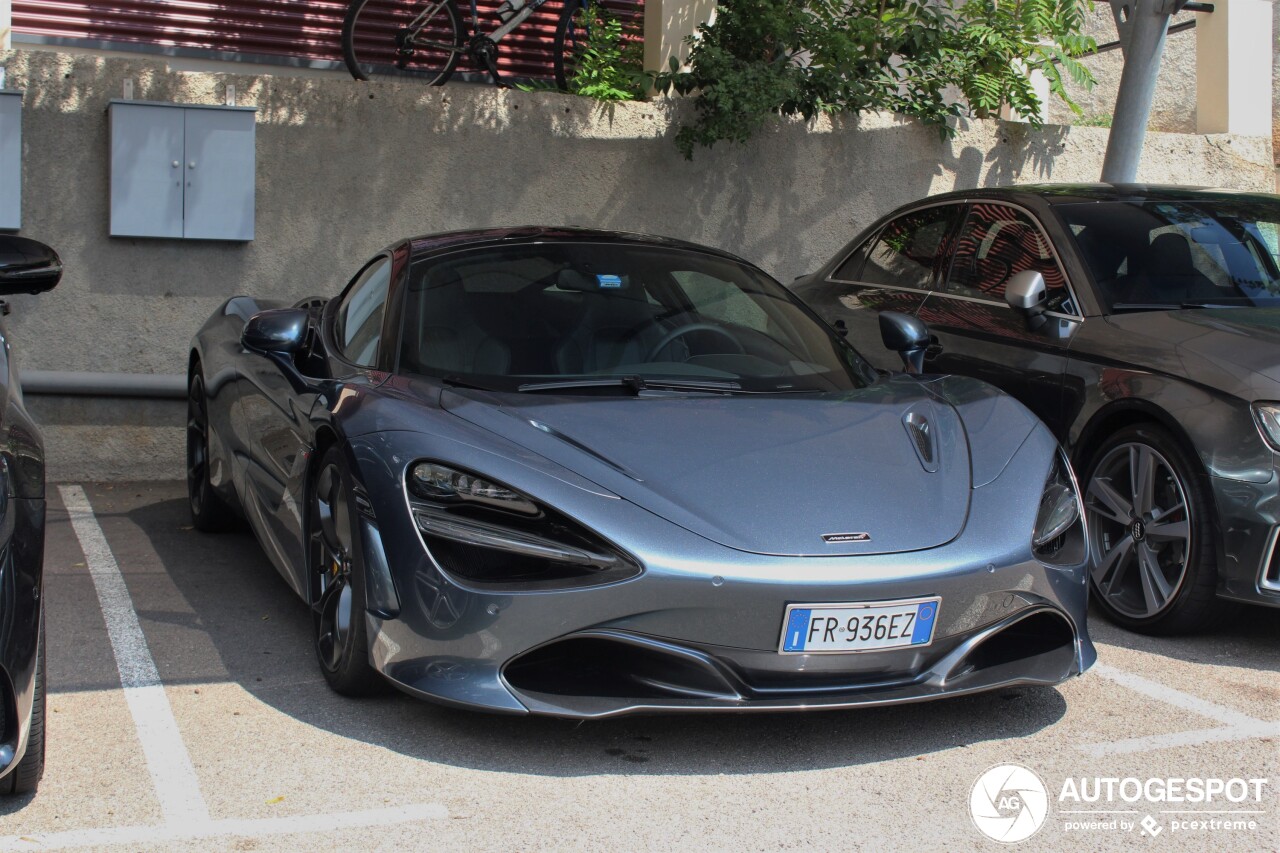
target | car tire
[
  {"x": 209, "y": 512},
  {"x": 1152, "y": 538},
  {"x": 336, "y": 564},
  {"x": 25, "y": 778}
]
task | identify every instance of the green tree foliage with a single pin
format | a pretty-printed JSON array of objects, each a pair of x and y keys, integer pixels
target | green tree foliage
[{"x": 763, "y": 58}]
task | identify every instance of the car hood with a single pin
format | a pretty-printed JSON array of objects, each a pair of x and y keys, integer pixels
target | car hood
[
  {"x": 765, "y": 474},
  {"x": 1234, "y": 349}
]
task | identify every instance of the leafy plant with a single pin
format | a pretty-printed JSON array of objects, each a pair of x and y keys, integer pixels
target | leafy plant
[
  {"x": 609, "y": 66},
  {"x": 764, "y": 58}
]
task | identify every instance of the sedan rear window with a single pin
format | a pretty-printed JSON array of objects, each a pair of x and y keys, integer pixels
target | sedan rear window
[
  {"x": 1168, "y": 254},
  {"x": 907, "y": 251}
]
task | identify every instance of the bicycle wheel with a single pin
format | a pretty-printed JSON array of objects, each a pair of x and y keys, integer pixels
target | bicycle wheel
[
  {"x": 420, "y": 39},
  {"x": 571, "y": 40}
]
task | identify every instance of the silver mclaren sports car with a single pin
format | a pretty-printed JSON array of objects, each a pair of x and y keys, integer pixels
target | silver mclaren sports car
[{"x": 584, "y": 473}]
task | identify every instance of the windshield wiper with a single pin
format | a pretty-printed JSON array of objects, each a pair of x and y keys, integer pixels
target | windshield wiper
[
  {"x": 635, "y": 384},
  {"x": 1169, "y": 306},
  {"x": 456, "y": 382}
]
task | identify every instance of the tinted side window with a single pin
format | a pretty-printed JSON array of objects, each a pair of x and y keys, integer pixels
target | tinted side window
[
  {"x": 851, "y": 268},
  {"x": 359, "y": 322},
  {"x": 907, "y": 250},
  {"x": 996, "y": 242},
  {"x": 1166, "y": 253}
]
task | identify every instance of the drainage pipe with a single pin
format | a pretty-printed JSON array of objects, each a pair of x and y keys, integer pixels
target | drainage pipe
[{"x": 74, "y": 383}]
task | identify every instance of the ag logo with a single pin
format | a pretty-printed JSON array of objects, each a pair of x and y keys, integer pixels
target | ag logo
[{"x": 1008, "y": 803}]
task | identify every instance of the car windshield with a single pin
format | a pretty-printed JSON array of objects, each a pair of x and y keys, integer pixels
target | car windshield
[
  {"x": 553, "y": 316},
  {"x": 1180, "y": 254}
]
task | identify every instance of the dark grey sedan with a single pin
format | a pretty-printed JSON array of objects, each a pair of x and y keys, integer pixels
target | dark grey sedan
[{"x": 1142, "y": 324}]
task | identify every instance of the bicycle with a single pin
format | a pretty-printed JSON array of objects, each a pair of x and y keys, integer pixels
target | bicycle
[{"x": 425, "y": 39}]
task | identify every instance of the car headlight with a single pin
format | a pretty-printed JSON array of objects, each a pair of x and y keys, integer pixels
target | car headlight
[
  {"x": 1267, "y": 417},
  {"x": 440, "y": 483},
  {"x": 1058, "y": 536},
  {"x": 490, "y": 534}
]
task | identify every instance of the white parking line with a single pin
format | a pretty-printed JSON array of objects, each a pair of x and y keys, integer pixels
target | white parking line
[
  {"x": 174, "y": 777},
  {"x": 186, "y": 816},
  {"x": 221, "y": 829},
  {"x": 1236, "y": 726},
  {"x": 1176, "y": 739},
  {"x": 1170, "y": 696}
]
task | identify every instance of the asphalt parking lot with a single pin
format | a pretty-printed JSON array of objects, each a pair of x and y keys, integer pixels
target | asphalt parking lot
[{"x": 187, "y": 713}]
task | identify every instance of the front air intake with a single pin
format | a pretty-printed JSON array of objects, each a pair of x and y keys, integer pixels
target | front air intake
[
  {"x": 1271, "y": 568},
  {"x": 1040, "y": 647},
  {"x": 599, "y": 666}
]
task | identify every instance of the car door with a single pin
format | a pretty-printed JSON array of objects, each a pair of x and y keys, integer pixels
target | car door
[
  {"x": 278, "y": 413},
  {"x": 974, "y": 332},
  {"x": 893, "y": 270}
]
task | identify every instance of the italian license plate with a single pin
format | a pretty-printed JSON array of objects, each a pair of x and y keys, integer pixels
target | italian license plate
[{"x": 857, "y": 627}]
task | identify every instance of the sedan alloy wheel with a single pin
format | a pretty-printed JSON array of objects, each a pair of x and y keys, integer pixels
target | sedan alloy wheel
[{"x": 1151, "y": 534}]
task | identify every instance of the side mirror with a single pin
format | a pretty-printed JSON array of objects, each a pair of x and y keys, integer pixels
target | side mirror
[
  {"x": 27, "y": 266},
  {"x": 907, "y": 336},
  {"x": 1026, "y": 291},
  {"x": 281, "y": 330}
]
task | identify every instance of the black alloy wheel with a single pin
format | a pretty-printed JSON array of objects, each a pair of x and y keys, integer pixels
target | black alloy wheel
[
  {"x": 209, "y": 513},
  {"x": 1152, "y": 541},
  {"x": 337, "y": 583}
]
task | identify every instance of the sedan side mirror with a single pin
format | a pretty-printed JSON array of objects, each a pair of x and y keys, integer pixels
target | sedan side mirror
[
  {"x": 280, "y": 330},
  {"x": 907, "y": 336},
  {"x": 1026, "y": 292},
  {"x": 27, "y": 266}
]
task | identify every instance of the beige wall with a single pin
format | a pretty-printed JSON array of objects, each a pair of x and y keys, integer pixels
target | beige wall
[
  {"x": 667, "y": 23},
  {"x": 344, "y": 168}
]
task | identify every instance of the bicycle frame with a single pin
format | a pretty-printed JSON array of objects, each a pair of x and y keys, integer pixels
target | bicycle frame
[{"x": 516, "y": 20}]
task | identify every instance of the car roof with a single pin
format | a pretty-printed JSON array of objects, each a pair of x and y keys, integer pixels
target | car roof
[
  {"x": 1077, "y": 193},
  {"x": 430, "y": 244}
]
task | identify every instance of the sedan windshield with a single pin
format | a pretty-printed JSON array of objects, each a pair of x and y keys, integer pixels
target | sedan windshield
[
  {"x": 579, "y": 318},
  {"x": 1180, "y": 254}
]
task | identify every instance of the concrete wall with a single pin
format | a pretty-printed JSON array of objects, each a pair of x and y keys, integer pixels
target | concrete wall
[{"x": 343, "y": 168}]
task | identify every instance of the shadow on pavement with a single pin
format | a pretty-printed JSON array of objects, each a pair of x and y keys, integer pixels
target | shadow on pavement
[
  {"x": 189, "y": 586},
  {"x": 1249, "y": 637}
]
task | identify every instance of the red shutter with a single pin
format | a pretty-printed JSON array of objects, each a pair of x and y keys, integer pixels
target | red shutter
[{"x": 263, "y": 29}]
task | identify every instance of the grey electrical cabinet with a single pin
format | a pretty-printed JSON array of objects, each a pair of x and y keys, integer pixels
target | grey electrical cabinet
[
  {"x": 10, "y": 160},
  {"x": 182, "y": 171}
]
